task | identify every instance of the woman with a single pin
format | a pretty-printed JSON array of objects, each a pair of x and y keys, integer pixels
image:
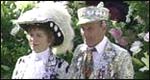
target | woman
[{"x": 46, "y": 32}]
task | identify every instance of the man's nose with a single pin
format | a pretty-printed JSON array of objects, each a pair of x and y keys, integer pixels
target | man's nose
[{"x": 86, "y": 33}]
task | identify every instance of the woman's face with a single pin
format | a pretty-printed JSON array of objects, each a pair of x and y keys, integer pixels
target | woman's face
[{"x": 38, "y": 40}]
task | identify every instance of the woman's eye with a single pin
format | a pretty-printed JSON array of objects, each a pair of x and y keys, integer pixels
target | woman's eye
[{"x": 31, "y": 35}]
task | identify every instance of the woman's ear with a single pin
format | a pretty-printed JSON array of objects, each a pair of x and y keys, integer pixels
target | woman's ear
[{"x": 51, "y": 40}]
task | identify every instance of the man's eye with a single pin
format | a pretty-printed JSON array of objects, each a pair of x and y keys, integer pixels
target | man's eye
[
  {"x": 82, "y": 28},
  {"x": 38, "y": 35},
  {"x": 89, "y": 28}
]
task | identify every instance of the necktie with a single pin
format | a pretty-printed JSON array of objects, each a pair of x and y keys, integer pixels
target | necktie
[{"x": 88, "y": 64}]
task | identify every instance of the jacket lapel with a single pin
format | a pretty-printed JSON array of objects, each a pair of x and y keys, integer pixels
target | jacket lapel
[{"x": 109, "y": 56}]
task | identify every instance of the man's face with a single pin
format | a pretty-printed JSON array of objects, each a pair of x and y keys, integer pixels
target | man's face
[{"x": 93, "y": 32}]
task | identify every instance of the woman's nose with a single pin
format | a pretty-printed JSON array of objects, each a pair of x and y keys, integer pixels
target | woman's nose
[{"x": 33, "y": 39}]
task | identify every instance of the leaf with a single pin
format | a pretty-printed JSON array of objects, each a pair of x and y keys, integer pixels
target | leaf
[
  {"x": 145, "y": 59},
  {"x": 5, "y": 67},
  {"x": 141, "y": 75},
  {"x": 137, "y": 61}
]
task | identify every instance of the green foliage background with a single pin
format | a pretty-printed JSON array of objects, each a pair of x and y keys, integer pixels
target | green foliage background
[{"x": 12, "y": 47}]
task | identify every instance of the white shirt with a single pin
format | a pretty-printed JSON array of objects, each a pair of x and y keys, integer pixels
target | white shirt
[
  {"x": 36, "y": 65},
  {"x": 97, "y": 55}
]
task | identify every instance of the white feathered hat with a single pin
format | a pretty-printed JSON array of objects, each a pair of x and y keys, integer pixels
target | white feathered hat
[{"x": 59, "y": 21}]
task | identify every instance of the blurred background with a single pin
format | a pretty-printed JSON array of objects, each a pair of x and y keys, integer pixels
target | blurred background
[{"x": 129, "y": 20}]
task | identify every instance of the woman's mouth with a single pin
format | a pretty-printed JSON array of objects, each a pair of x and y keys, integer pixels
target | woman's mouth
[{"x": 35, "y": 44}]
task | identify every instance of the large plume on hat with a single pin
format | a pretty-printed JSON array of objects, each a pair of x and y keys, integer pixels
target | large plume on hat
[
  {"x": 59, "y": 14},
  {"x": 52, "y": 11}
]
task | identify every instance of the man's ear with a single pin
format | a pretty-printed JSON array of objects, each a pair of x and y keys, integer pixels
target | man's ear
[{"x": 103, "y": 25}]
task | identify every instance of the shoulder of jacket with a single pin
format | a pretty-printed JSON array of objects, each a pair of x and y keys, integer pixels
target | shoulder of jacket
[
  {"x": 120, "y": 50},
  {"x": 79, "y": 49}
]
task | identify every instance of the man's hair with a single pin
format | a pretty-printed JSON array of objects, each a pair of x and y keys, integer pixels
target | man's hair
[{"x": 104, "y": 21}]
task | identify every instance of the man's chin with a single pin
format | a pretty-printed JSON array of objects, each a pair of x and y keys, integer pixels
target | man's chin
[{"x": 90, "y": 45}]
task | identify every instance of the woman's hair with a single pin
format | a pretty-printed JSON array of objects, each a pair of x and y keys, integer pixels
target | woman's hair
[{"x": 41, "y": 26}]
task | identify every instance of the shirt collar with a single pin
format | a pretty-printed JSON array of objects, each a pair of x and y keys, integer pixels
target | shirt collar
[
  {"x": 100, "y": 46},
  {"x": 42, "y": 55}
]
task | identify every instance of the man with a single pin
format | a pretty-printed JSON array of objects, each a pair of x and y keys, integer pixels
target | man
[{"x": 97, "y": 57}]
